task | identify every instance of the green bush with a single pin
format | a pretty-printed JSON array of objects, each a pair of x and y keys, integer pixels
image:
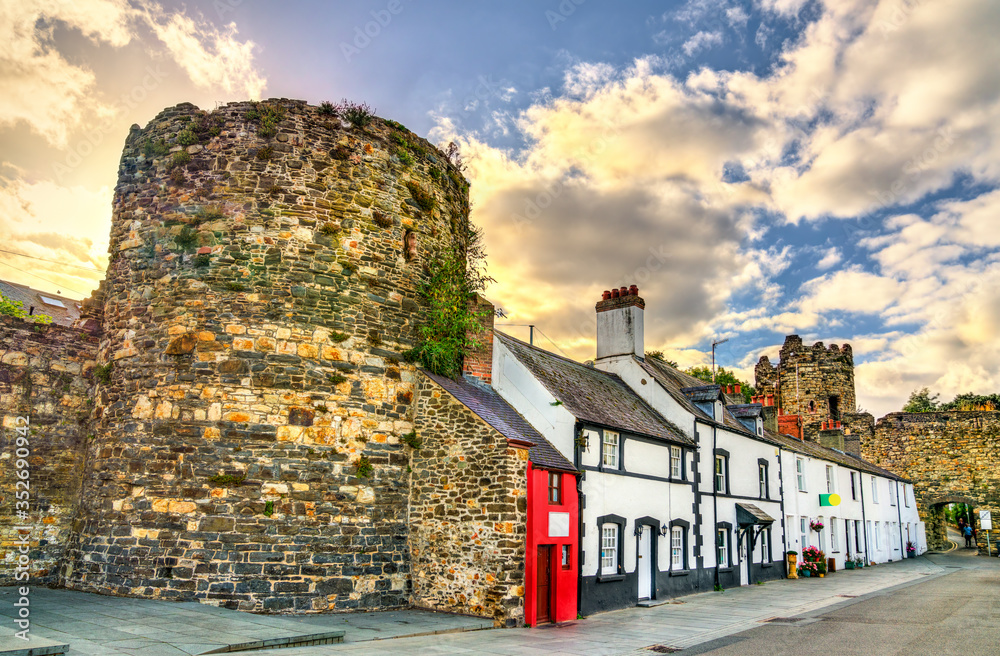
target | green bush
[
  {"x": 326, "y": 108},
  {"x": 153, "y": 149},
  {"x": 265, "y": 153},
  {"x": 405, "y": 158},
  {"x": 364, "y": 467},
  {"x": 337, "y": 379},
  {"x": 186, "y": 238},
  {"x": 11, "y": 308},
  {"x": 102, "y": 372},
  {"x": 267, "y": 117},
  {"x": 187, "y": 138},
  {"x": 358, "y": 115},
  {"x": 411, "y": 440},
  {"x": 180, "y": 158}
]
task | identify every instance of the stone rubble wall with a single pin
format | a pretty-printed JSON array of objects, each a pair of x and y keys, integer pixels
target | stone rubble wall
[
  {"x": 468, "y": 512},
  {"x": 45, "y": 376},
  {"x": 257, "y": 303},
  {"x": 950, "y": 456}
]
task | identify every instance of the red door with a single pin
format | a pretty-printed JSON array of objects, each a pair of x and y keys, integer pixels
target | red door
[{"x": 543, "y": 582}]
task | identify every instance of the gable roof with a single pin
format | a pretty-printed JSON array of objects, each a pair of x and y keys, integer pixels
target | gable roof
[
  {"x": 491, "y": 408},
  {"x": 64, "y": 311},
  {"x": 677, "y": 384},
  {"x": 593, "y": 395}
]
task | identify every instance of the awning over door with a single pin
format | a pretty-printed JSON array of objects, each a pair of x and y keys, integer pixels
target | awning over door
[{"x": 748, "y": 514}]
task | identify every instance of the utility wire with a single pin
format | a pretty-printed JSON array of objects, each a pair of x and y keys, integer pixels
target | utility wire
[
  {"x": 552, "y": 343},
  {"x": 33, "y": 257},
  {"x": 46, "y": 279}
]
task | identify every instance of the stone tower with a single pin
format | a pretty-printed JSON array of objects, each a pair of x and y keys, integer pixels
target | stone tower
[
  {"x": 266, "y": 260},
  {"x": 815, "y": 382}
]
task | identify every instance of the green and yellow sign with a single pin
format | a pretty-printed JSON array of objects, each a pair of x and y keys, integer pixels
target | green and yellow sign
[{"x": 829, "y": 499}]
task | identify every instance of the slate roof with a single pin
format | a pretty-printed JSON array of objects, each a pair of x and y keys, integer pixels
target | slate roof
[
  {"x": 593, "y": 395},
  {"x": 816, "y": 450},
  {"x": 29, "y": 297},
  {"x": 703, "y": 392},
  {"x": 491, "y": 408},
  {"x": 754, "y": 514},
  {"x": 674, "y": 382},
  {"x": 745, "y": 409}
]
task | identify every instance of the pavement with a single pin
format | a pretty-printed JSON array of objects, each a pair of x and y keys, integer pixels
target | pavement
[
  {"x": 115, "y": 626},
  {"x": 689, "y": 621},
  {"x": 955, "y": 614}
]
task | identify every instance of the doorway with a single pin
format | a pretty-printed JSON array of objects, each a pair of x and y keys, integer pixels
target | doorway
[
  {"x": 543, "y": 585},
  {"x": 644, "y": 563},
  {"x": 745, "y": 550}
]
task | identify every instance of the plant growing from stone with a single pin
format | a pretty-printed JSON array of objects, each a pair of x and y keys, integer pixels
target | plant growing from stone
[
  {"x": 268, "y": 508},
  {"x": 455, "y": 276},
  {"x": 227, "y": 480},
  {"x": 411, "y": 440},
  {"x": 182, "y": 158},
  {"x": 424, "y": 199},
  {"x": 187, "y": 138},
  {"x": 186, "y": 238},
  {"x": 267, "y": 117},
  {"x": 152, "y": 149},
  {"x": 363, "y": 467},
  {"x": 381, "y": 219},
  {"x": 357, "y": 114},
  {"x": 326, "y": 108},
  {"x": 102, "y": 373}
]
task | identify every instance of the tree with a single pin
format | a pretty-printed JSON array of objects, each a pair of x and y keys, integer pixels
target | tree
[
  {"x": 921, "y": 400},
  {"x": 723, "y": 377},
  {"x": 969, "y": 401}
]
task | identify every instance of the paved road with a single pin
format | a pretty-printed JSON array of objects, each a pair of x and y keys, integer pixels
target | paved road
[{"x": 954, "y": 614}]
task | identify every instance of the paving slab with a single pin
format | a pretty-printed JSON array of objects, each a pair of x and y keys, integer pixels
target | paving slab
[{"x": 93, "y": 624}]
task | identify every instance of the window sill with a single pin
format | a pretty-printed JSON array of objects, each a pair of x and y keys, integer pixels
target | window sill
[
  {"x": 766, "y": 565},
  {"x": 610, "y": 578},
  {"x": 725, "y": 570},
  {"x": 679, "y": 572}
]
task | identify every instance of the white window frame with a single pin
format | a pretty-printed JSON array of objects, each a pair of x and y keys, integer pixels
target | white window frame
[
  {"x": 834, "y": 547},
  {"x": 610, "y": 456},
  {"x": 609, "y": 549},
  {"x": 720, "y": 473},
  {"x": 722, "y": 546},
  {"x": 676, "y": 463},
  {"x": 874, "y": 490},
  {"x": 878, "y": 537},
  {"x": 892, "y": 493},
  {"x": 762, "y": 479},
  {"x": 765, "y": 548},
  {"x": 906, "y": 495},
  {"x": 677, "y": 547},
  {"x": 831, "y": 480},
  {"x": 804, "y": 531},
  {"x": 800, "y": 474}
]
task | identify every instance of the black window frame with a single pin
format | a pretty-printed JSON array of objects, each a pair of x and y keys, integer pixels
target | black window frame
[
  {"x": 729, "y": 545},
  {"x": 725, "y": 471},
  {"x": 685, "y": 558},
  {"x": 620, "y": 565},
  {"x": 762, "y": 463},
  {"x": 854, "y": 487}
]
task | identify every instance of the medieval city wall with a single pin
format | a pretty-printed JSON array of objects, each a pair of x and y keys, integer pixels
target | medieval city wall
[
  {"x": 46, "y": 376},
  {"x": 950, "y": 457},
  {"x": 264, "y": 279}
]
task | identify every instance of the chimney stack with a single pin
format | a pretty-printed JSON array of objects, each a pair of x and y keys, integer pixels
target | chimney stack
[
  {"x": 619, "y": 323},
  {"x": 478, "y": 362}
]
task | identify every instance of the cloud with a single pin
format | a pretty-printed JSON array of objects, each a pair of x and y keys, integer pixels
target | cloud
[
  {"x": 53, "y": 95},
  {"x": 830, "y": 259},
  {"x": 701, "y": 41},
  {"x": 49, "y": 221},
  {"x": 212, "y": 58}
]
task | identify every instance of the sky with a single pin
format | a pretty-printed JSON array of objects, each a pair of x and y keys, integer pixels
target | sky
[{"x": 757, "y": 167}]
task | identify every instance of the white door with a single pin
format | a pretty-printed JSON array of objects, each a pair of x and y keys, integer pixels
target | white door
[
  {"x": 644, "y": 564},
  {"x": 745, "y": 558}
]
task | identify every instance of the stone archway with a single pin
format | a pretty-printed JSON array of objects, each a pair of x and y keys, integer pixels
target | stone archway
[{"x": 936, "y": 521}]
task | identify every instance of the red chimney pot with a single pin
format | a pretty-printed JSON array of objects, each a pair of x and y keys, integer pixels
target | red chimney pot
[
  {"x": 633, "y": 290},
  {"x": 615, "y": 293},
  {"x": 606, "y": 295},
  {"x": 623, "y": 291},
  {"x": 736, "y": 389}
]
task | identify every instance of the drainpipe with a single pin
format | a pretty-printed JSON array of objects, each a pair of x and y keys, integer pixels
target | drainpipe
[
  {"x": 577, "y": 457},
  {"x": 864, "y": 521},
  {"x": 715, "y": 505},
  {"x": 899, "y": 520},
  {"x": 784, "y": 529}
]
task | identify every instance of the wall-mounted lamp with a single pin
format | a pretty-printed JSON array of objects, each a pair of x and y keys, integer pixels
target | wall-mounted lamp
[
  {"x": 664, "y": 530},
  {"x": 638, "y": 529}
]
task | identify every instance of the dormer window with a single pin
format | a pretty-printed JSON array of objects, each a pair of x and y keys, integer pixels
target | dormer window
[
  {"x": 718, "y": 411},
  {"x": 760, "y": 427}
]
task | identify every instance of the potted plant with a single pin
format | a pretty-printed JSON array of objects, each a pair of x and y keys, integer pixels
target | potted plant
[
  {"x": 911, "y": 550},
  {"x": 859, "y": 562},
  {"x": 849, "y": 563},
  {"x": 816, "y": 525}
]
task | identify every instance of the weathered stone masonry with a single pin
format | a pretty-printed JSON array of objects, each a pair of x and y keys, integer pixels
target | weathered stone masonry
[
  {"x": 950, "y": 456},
  {"x": 258, "y": 298},
  {"x": 468, "y": 512},
  {"x": 45, "y": 374}
]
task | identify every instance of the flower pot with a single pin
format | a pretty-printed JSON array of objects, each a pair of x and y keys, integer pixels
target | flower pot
[
  {"x": 822, "y": 575},
  {"x": 911, "y": 554},
  {"x": 806, "y": 573},
  {"x": 849, "y": 565}
]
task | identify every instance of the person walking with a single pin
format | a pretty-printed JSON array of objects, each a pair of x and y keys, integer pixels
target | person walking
[{"x": 967, "y": 532}]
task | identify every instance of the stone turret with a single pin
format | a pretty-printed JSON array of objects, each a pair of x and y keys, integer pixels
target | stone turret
[{"x": 263, "y": 284}]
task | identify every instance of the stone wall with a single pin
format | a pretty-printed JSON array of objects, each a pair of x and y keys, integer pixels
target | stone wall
[
  {"x": 950, "y": 457},
  {"x": 468, "y": 512},
  {"x": 257, "y": 302},
  {"x": 45, "y": 377}
]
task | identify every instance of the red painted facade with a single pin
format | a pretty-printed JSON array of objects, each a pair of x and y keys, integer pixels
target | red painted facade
[{"x": 562, "y": 584}]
